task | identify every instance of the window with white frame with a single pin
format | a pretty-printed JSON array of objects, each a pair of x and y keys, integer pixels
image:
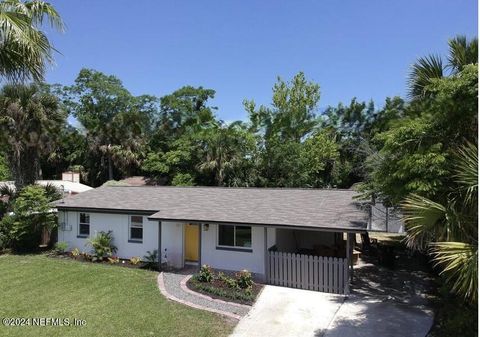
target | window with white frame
[
  {"x": 235, "y": 236},
  {"x": 136, "y": 228},
  {"x": 84, "y": 225}
]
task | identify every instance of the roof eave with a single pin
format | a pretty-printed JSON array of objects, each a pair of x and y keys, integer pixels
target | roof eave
[
  {"x": 284, "y": 226},
  {"x": 106, "y": 210}
]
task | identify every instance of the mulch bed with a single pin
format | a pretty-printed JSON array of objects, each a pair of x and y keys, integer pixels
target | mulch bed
[
  {"x": 219, "y": 290},
  {"x": 82, "y": 258}
]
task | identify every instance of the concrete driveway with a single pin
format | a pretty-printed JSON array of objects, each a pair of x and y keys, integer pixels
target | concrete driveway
[
  {"x": 371, "y": 317},
  {"x": 290, "y": 312},
  {"x": 281, "y": 311}
]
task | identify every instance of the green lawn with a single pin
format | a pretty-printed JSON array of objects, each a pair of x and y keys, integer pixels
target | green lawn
[{"x": 114, "y": 301}]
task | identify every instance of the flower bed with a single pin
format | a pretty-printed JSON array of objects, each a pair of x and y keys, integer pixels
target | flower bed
[
  {"x": 240, "y": 288},
  {"x": 114, "y": 260},
  {"x": 103, "y": 254}
]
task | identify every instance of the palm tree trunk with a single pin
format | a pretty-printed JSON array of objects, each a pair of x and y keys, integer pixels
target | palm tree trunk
[
  {"x": 110, "y": 168},
  {"x": 24, "y": 169}
]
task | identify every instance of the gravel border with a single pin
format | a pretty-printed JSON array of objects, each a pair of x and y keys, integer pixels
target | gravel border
[{"x": 170, "y": 285}]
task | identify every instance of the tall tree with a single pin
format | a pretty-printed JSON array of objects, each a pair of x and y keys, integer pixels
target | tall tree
[
  {"x": 184, "y": 112},
  {"x": 25, "y": 49},
  {"x": 352, "y": 124},
  {"x": 293, "y": 111},
  {"x": 70, "y": 153},
  {"x": 282, "y": 128},
  {"x": 413, "y": 154},
  {"x": 225, "y": 149},
  {"x": 115, "y": 121},
  {"x": 321, "y": 157},
  {"x": 30, "y": 121},
  {"x": 174, "y": 152}
]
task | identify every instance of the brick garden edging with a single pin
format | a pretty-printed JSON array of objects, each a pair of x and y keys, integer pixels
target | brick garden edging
[
  {"x": 184, "y": 287},
  {"x": 163, "y": 290}
]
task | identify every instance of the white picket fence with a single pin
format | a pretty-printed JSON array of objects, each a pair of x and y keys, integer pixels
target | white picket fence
[{"x": 326, "y": 274}]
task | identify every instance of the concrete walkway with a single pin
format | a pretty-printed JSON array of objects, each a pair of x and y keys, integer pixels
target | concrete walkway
[{"x": 286, "y": 312}]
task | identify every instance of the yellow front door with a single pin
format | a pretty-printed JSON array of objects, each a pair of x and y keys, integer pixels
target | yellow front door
[{"x": 191, "y": 242}]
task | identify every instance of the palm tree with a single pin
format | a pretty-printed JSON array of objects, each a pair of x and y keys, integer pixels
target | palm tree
[
  {"x": 30, "y": 122},
  {"x": 449, "y": 227},
  {"x": 24, "y": 49},
  {"x": 121, "y": 142},
  {"x": 225, "y": 149},
  {"x": 461, "y": 53}
]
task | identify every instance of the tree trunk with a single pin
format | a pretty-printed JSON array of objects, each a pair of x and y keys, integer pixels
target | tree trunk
[
  {"x": 365, "y": 241},
  {"x": 24, "y": 168},
  {"x": 110, "y": 168}
]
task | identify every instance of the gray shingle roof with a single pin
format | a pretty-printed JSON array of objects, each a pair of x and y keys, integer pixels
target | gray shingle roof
[{"x": 321, "y": 208}]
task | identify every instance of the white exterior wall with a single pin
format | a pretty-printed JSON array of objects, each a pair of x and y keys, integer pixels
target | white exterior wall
[
  {"x": 271, "y": 237},
  {"x": 172, "y": 240},
  {"x": 253, "y": 261},
  {"x": 118, "y": 224}
]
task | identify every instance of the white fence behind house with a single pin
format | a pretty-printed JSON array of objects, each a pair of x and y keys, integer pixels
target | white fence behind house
[{"x": 320, "y": 273}]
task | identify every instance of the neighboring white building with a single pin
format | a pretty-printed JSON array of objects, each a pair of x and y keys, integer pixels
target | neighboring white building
[
  {"x": 70, "y": 184},
  {"x": 226, "y": 228}
]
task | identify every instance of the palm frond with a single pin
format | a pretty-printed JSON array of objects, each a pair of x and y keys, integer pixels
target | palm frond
[
  {"x": 466, "y": 170},
  {"x": 25, "y": 49},
  {"x": 423, "y": 219},
  {"x": 459, "y": 265},
  {"x": 52, "y": 192},
  {"x": 41, "y": 10},
  {"x": 7, "y": 190},
  {"x": 422, "y": 73},
  {"x": 462, "y": 52}
]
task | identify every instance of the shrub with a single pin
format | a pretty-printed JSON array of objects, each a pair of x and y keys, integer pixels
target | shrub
[
  {"x": 75, "y": 253},
  {"x": 102, "y": 245},
  {"x": 135, "y": 260},
  {"x": 244, "y": 279},
  {"x": 205, "y": 274},
  {"x": 151, "y": 259},
  {"x": 114, "y": 260},
  {"x": 237, "y": 294},
  {"x": 229, "y": 281},
  {"x": 6, "y": 239},
  {"x": 60, "y": 247},
  {"x": 87, "y": 257},
  {"x": 31, "y": 214}
]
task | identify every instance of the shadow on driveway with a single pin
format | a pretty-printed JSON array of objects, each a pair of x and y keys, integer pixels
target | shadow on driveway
[{"x": 363, "y": 317}]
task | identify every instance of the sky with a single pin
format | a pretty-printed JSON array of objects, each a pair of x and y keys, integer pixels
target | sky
[{"x": 351, "y": 48}]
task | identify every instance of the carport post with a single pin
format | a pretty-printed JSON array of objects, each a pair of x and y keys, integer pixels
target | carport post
[
  {"x": 347, "y": 255},
  {"x": 160, "y": 245},
  {"x": 350, "y": 255}
]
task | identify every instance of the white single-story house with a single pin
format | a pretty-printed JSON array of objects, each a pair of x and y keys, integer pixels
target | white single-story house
[{"x": 292, "y": 237}]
